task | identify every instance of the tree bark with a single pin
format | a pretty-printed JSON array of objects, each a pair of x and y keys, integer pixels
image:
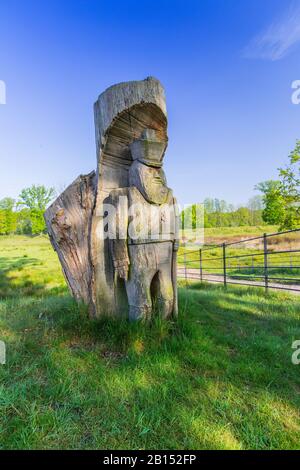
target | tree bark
[{"x": 68, "y": 221}]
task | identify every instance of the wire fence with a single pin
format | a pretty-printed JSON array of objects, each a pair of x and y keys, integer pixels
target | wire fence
[{"x": 271, "y": 261}]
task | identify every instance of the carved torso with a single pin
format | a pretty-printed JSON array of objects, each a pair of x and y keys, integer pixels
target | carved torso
[{"x": 148, "y": 222}]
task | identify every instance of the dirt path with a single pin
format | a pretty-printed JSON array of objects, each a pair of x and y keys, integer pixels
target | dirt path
[{"x": 194, "y": 274}]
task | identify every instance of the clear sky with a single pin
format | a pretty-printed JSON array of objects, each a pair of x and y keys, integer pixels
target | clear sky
[{"x": 227, "y": 66}]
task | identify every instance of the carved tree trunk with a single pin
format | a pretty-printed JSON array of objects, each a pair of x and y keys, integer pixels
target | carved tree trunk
[
  {"x": 75, "y": 219},
  {"x": 68, "y": 221}
]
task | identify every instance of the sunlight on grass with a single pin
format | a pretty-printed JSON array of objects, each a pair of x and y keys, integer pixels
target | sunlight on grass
[{"x": 220, "y": 377}]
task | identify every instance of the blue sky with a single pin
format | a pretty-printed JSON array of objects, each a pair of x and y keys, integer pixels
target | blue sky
[{"x": 227, "y": 66}]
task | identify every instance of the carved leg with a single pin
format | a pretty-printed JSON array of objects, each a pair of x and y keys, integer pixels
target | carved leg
[
  {"x": 162, "y": 286},
  {"x": 142, "y": 269},
  {"x": 139, "y": 296},
  {"x": 166, "y": 294}
]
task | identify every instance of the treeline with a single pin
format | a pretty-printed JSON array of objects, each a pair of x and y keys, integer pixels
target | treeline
[
  {"x": 25, "y": 215},
  {"x": 278, "y": 205},
  {"x": 221, "y": 214},
  {"x": 218, "y": 213}
]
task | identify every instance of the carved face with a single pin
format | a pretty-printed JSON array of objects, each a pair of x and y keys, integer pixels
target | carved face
[
  {"x": 148, "y": 149},
  {"x": 150, "y": 181}
]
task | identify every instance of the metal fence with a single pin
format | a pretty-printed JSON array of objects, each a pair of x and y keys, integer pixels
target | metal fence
[{"x": 271, "y": 261}]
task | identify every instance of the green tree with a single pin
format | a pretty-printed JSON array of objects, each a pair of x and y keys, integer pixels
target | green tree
[
  {"x": 282, "y": 197},
  {"x": 242, "y": 216},
  {"x": 218, "y": 213},
  {"x": 2, "y": 222},
  {"x": 8, "y": 203},
  {"x": 8, "y": 219},
  {"x": 24, "y": 223},
  {"x": 290, "y": 188},
  {"x": 255, "y": 206},
  {"x": 37, "y": 221},
  {"x": 36, "y": 199},
  {"x": 274, "y": 205},
  {"x": 209, "y": 205}
]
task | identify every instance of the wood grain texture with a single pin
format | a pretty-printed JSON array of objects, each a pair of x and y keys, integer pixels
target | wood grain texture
[
  {"x": 68, "y": 222},
  {"x": 122, "y": 113},
  {"x": 75, "y": 221}
]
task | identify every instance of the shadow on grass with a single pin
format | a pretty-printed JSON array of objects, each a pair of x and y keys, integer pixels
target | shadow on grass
[
  {"x": 218, "y": 377},
  {"x": 15, "y": 283}
]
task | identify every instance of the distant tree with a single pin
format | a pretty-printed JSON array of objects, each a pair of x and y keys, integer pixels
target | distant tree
[
  {"x": 24, "y": 222},
  {"x": 209, "y": 205},
  {"x": 217, "y": 205},
  {"x": 218, "y": 213},
  {"x": 274, "y": 206},
  {"x": 255, "y": 203},
  {"x": 2, "y": 222},
  {"x": 37, "y": 221},
  {"x": 7, "y": 216},
  {"x": 290, "y": 188},
  {"x": 267, "y": 186},
  {"x": 243, "y": 216},
  {"x": 8, "y": 222},
  {"x": 192, "y": 217},
  {"x": 282, "y": 197},
  {"x": 36, "y": 199},
  {"x": 290, "y": 176},
  {"x": 255, "y": 206},
  {"x": 223, "y": 206},
  {"x": 8, "y": 203}
]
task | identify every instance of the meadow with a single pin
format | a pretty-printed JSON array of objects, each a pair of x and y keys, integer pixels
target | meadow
[
  {"x": 219, "y": 377},
  {"x": 218, "y": 235}
]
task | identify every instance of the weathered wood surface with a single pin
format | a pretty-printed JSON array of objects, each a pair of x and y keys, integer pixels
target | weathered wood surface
[
  {"x": 122, "y": 113},
  {"x": 68, "y": 222},
  {"x": 75, "y": 220}
]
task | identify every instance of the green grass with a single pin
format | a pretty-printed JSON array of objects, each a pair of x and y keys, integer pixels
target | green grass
[
  {"x": 29, "y": 266},
  {"x": 220, "y": 377},
  {"x": 246, "y": 230},
  {"x": 220, "y": 235}
]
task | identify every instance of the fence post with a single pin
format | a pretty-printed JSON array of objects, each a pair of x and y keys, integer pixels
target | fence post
[
  {"x": 266, "y": 262},
  {"x": 224, "y": 264},
  {"x": 200, "y": 253}
]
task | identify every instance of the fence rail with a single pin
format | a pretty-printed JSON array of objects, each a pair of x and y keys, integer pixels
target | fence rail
[{"x": 271, "y": 261}]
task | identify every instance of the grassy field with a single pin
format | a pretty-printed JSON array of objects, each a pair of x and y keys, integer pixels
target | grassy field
[
  {"x": 220, "y": 235},
  {"x": 220, "y": 377}
]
